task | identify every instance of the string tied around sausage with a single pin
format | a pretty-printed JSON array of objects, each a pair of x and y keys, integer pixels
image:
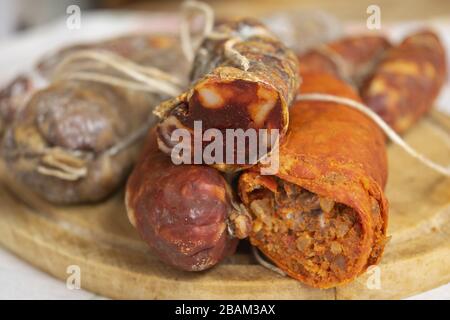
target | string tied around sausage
[
  {"x": 390, "y": 133},
  {"x": 66, "y": 166}
]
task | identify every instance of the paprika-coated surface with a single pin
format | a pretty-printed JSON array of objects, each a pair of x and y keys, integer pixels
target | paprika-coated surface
[{"x": 322, "y": 219}]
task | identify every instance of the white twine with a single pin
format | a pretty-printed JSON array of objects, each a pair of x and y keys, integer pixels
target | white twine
[
  {"x": 129, "y": 140},
  {"x": 234, "y": 55},
  {"x": 106, "y": 79},
  {"x": 156, "y": 80},
  {"x": 143, "y": 78},
  {"x": 322, "y": 97},
  {"x": 266, "y": 264},
  {"x": 187, "y": 42}
]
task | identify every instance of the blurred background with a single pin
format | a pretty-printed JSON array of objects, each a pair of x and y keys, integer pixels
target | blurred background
[
  {"x": 30, "y": 29},
  {"x": 18, "y": 15}
]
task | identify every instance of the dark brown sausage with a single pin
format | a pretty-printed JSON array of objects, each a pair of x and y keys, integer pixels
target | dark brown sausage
[{"x": 182, "y": 212}]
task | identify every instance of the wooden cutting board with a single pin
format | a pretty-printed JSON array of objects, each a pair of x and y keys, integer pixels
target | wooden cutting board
[{"x": 115, "y": 263}]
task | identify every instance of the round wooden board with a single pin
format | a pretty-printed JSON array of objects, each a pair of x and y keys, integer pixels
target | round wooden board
[{"x": 115, "y": 263}]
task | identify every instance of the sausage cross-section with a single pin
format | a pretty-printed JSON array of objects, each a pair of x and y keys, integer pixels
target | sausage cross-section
[
  {"x": 322, "y": 219},
  {"x": 243, "y": 77}
]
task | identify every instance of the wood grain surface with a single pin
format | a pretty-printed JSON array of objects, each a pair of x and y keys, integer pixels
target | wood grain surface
[{"x": 115, "y": 263}]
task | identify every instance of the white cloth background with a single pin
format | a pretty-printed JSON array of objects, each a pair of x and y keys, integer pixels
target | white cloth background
[{"x": 19, "y": 280}]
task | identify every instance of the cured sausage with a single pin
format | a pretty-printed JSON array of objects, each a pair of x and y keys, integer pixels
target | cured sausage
[
  {"x": 185, "y": 213},
  {"x": 243, "y": 77},
  {"x": 74, "y": 141},
  {"x": 322, "y": 219},
  {"x": 352, "y": 58},
  {"x": 407, "y": 80}
]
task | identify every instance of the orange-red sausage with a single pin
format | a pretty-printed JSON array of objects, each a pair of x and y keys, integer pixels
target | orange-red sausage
[{"x": 322, "y": 219}]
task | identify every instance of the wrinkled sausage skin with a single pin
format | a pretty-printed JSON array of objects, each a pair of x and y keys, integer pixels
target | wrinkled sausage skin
[
  {"x": 181, "y": 211},
  {"x": 16, "y": 90},
  {"x": 66, "y": 118},
  {"x": 65, "y": 139}
]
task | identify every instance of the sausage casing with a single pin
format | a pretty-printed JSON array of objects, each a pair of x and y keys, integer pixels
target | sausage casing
[
  {"x": 182, "y": 212},
  {"x": 407, "y": 80},
  {"x": 322, "y": 219},
  {"x": 243, "y": 77}
]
